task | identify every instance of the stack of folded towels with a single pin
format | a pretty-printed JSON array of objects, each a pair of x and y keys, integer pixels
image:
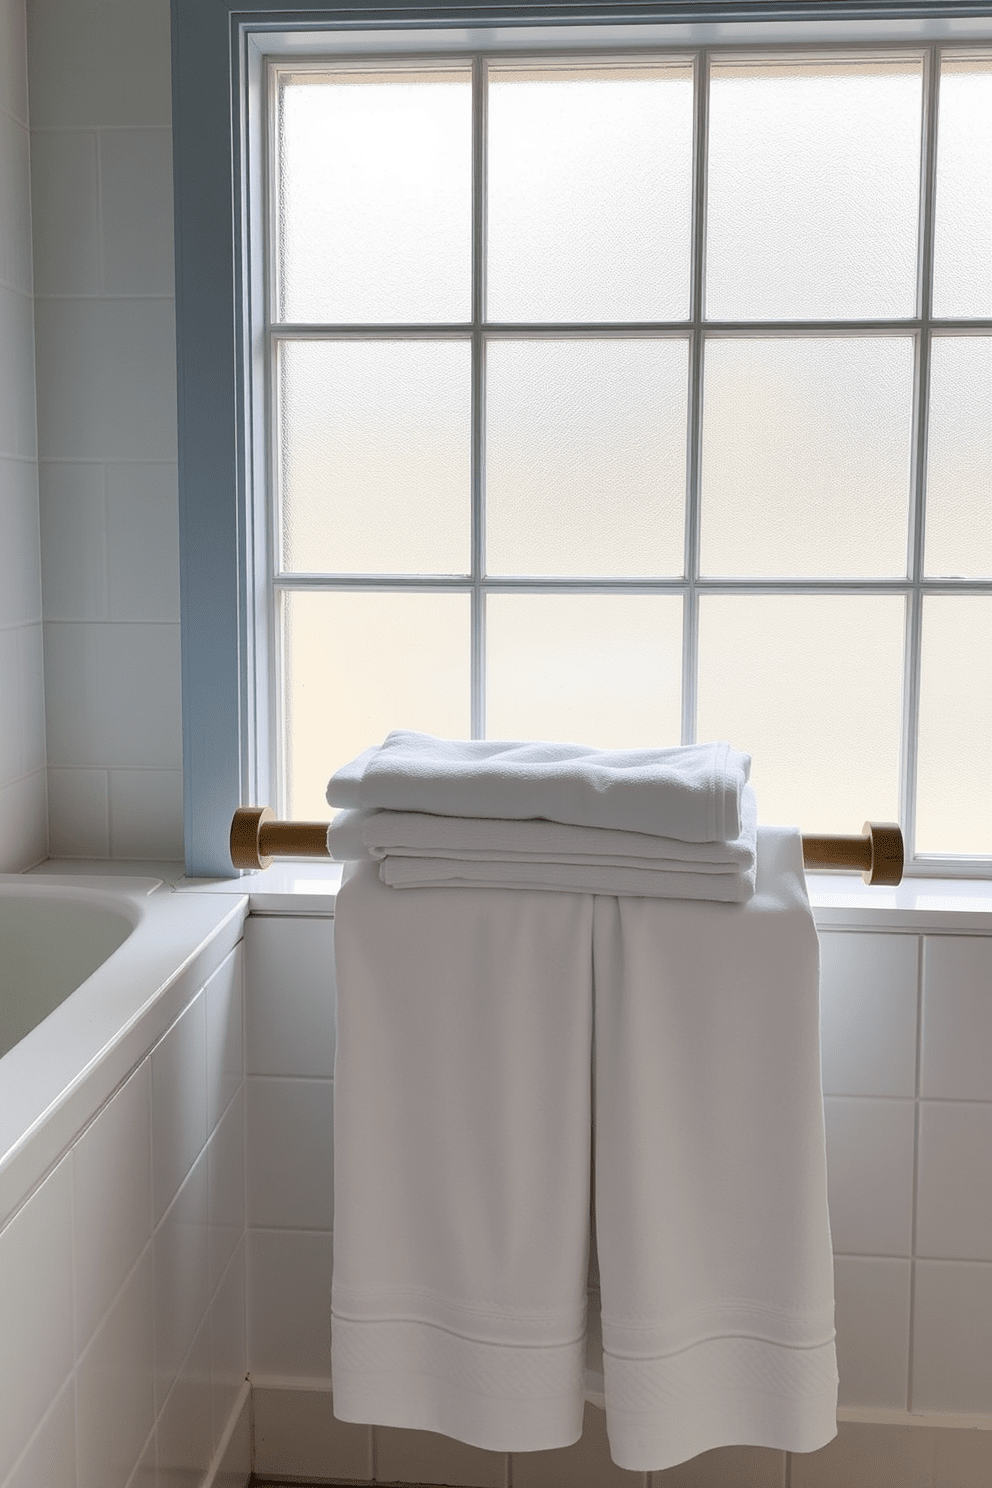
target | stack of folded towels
[{"x": 677, "y": 823}]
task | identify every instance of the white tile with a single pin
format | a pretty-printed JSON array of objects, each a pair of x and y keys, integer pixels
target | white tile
[
  {"x": 952, "y": 1325},
  {"x": 290, "y": 996},
  {"x": 79, "y": 819},
  {"x": 872, "y": 1310},
  {"x": 115, "y": 1407},
  {"x": 862, "y": 1456},
  {"x": 297, "y": 1434},
  {"x": 144, "y": 1475},
  {"x": 185, "y": 1430},
  {"x": 50, "y": 1459},
  {"x": 14, "y": 59},
  {"x": 112, "y": 1199},
  {"x": 957, "y": 1018},
  {"x": 408, "y": 1456},
  {"x": 146, "y": 814},
  {"x": 954, "y": 1197},
  {"x": 32, "y": 665},
  {"x": 224, "y": 994},
  {"x": 10, "y": 713},
  {"x": 289, "y": 1303},
  {"x": 15, "y": 205},
  {"x": 73, "y": 540},
  {"x": 290, "y": 1163},
  {"x": 226, "y": 1178},
  {"x": 143, "y": 541},
  {"x": 106, "y": 379},
  {"x": 103, "y": 64},
  {"x": 35, "y": 1311},
  {"x": 113, "y": 696},
  {"x": 868, "y": 986},
  {"x": 18, "y": 424},
  {"x": 870, "y": 1174},
  {"x": 235, "y": 1465},
  {"x": 179, "y": 1102},
  {"x": 64, "y": 198},
  {"x": 182, "y": 1278},
  {"x": 20, "y": 541},
  {"x": 136, "y": 211},
  {"x": 228, "y": 1342},
  {"x": 24, "y": 813}
]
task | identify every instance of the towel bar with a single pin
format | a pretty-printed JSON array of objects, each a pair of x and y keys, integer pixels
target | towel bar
[{"x": 257, "y": 838}]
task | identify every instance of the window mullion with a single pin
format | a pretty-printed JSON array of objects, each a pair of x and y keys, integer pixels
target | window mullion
[
  {"x": 690, "y": 614},
  {"x": 914, "y": 617},
  {"x": 479, "y": 154}
]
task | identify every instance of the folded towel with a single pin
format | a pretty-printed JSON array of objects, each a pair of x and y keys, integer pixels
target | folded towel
[
  {"x": 358, "y": 834},
  {"x": 465, "y": 1034},
  {"x": 422, "y": 851},
  {"x": 566, "y": 878},
  {"x": 692, "y": 792}
]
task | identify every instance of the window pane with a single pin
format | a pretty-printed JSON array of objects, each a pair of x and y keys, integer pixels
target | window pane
[
  {"x": 806, "y": 456},
  {"x": 959, "y": 458},
  {"x": 374, "y": 196},
  {"x": 585, "y": 457},
  {"x": 811, "y": 686},
  {"x": 359, "y": 665},
  {"x": 813, "y": 189},
  {"x": 590, "y": 193},
  {"x": 962, "y": 253},
  {"x": 954, "y": 785},
  {"x": 375, "y": 456},
  {"x": 600, "y": 669}
]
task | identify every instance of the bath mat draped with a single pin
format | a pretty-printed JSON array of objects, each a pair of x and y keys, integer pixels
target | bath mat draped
[{"x": 477, "y": 1035}]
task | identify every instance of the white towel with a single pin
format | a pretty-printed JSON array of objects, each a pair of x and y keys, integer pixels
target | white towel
[
  {"x": 691, "y": 792},
  {"x": 461, "y": 1161},
  {"x": 423, "y": 851},
  {"x": 462, "y": 1176}
]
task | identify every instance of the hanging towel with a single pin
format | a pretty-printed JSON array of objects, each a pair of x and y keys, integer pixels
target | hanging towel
[
  {"x": 461, "y": 1161},
  {"x": 715, "y": 1262},
  {"x": 692, "y": 792},
  {"x": 462, "y": 1166},
  {"x": 423, "y": 851}
]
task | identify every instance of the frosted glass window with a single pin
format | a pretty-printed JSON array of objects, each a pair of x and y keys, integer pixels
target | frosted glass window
[
  {"x": 962, "y": 251},
  {"x": 375, "y": 456},
  {"x": 811, "y": 685},
  {"x": 959, "y": 458},
  {"x": 374, "y": 195},
  {"x": 586, "y": 456},
  {"x": 813, "y": 189},
  {"x": 954, "y": 784},
  {"x": 589, "y": 192},
  {"x": 360, "y": 664},
  {"x": 600, "y": 669},
  {"x": 806, "y": 456}
]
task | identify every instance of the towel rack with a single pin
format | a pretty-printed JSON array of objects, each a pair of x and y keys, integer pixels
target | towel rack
[{"x": 257, "y": 838}]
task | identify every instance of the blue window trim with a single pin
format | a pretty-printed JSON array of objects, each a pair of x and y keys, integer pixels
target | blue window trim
[{"x": 224, "y": 763}]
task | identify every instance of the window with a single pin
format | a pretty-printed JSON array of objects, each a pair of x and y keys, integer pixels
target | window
[{"x": 692, "y": 430}]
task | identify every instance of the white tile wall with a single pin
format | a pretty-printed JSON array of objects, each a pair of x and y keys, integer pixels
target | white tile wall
[
  {"x": 23, "y": 797},
  {"x": 122, "y": 1338},
  {"x": 101, "y": 178}
]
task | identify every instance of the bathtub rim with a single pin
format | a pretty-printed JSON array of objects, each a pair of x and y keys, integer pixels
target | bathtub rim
[{"x": 55, "y": 1081}]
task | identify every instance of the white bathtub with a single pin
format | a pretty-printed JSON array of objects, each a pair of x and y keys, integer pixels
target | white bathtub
[{"x": 92, "y": 973}]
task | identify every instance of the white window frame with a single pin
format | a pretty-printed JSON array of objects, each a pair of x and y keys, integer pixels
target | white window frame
[{"x": 225, "y": 527}]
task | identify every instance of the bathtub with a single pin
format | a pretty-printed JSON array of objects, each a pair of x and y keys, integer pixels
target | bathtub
[{"x": 92, "y": 973}]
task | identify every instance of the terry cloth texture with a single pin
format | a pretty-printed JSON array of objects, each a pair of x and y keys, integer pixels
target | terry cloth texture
[
  {"x": 692, "y": 792},
  {"x": 416, "y": 850},
  {"x": 482, "y": 1040}
]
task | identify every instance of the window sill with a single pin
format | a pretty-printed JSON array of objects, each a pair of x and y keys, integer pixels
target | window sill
[{"x": 840, "y": 901}]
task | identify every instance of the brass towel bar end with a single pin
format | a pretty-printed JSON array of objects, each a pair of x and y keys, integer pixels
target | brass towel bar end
[{"x": 257, "y": 838}]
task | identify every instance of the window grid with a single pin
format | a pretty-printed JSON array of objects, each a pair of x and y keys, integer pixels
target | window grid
[{"x": 697, "y": 330}]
